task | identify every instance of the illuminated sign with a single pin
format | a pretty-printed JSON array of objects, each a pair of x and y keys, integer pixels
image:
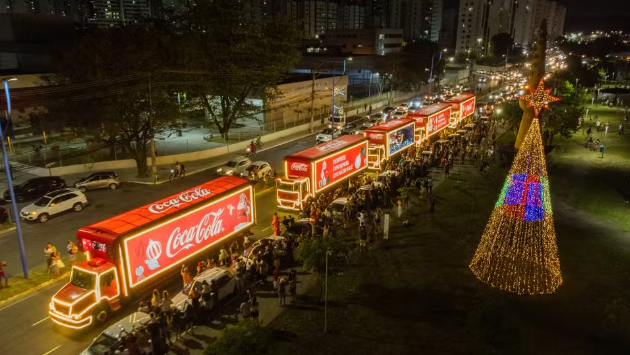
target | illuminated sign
[
  {"x": 438, "y": 122},
  {"x": 185, "y": 197},
  {"x": 297, "y": 168},
  {"x": 337, "y": 143},
  {"x": 400, "y": 139},
  {"x": 338, "y": 166},
  {"x": 467, "y": 108},
  {"x": 376, "y": 138},
  {"x": 157, "y": 249}
]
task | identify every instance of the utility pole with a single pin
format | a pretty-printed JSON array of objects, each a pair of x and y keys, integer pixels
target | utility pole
[
  {"x": 153, "y": 157},
  {"x": 313, "y": 99}
]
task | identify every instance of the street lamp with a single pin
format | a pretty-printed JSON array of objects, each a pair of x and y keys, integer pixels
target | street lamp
[
  {"x": 7, "y": 169},
  {"x": 432, "y": 67}
]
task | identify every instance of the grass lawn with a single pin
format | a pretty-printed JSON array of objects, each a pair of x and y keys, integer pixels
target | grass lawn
[{"x": 414, "y": 293}]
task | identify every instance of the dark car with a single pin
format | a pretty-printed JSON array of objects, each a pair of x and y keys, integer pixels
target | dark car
[
  {"x": 388, "y": 111},
  {"x": 296, "y": 228},
  {"x": 35, "y": 188}
]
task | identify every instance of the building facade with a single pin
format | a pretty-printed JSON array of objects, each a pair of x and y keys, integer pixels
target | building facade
[{"x": 364, "y": 41}]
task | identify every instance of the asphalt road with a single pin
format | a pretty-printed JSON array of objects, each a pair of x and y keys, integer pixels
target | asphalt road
[{"x": 25, "y": 327}]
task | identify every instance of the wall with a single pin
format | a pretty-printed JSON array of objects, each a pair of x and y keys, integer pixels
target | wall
[{"x": 203, "y": 154}]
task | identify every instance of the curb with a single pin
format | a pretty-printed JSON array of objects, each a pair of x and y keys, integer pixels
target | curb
[
  {"x": 6, "y": 231},
  {"x": 218, "y": 164},
  {"x": 36, "y": 288}
]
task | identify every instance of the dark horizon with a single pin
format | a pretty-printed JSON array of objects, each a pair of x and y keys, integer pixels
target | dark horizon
[{"x": 586, "y": 15}]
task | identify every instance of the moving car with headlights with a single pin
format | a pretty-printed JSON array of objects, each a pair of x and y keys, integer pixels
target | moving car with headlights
[
  {"x": 327, "y": 135},
  {"x": 54, "y": 203},
  {"x": 387, "y": 111},
  {"x": 130, "y": 254},
  {"x": 336, "y": 121},
  {"x": 372, "y": 120},
  {"x": 35, "y": 188},
  {"x": 399, "y": 114},
  {"x": 111, "y": 340},
  {"x": 223, "y": 279},
  {"x": 257, "y": 170},
  {"x": 235, "y": 166},
  {"x": 98, "y": 180}
]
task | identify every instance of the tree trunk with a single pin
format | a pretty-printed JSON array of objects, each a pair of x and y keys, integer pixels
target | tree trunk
[
  {"x": 140, "y": 156},
  {"x": 112, "y": 149}
]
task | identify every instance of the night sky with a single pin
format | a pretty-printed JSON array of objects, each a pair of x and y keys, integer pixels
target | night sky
[{"x": 586, "y": 15}]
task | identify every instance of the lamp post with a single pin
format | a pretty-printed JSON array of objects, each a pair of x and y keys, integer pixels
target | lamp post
[
  {"x": 7, "y": 168},
  {"x": 433, "y": 66}
]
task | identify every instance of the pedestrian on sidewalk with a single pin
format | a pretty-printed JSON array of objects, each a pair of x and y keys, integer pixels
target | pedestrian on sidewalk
[
  {"x": 275, "y": 224},
  {"x": 370, "y": 109},
  {"x": 601, "y": 149},
  {"x": 48, "y": 253},
  {"x": 282, "y": 291},
  {"x": 365, "y": 106},
  {"x": 246, "y": 309},
  {"x": 57, "y": 264},
  {"x": 3, "y": 274},
  {"x": 72, "y": 250}
]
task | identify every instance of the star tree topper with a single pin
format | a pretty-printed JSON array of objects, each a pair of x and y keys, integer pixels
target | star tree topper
[{"x": 539, "y": 98}]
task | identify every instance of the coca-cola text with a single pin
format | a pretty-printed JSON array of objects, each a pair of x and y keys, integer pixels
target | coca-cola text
[{"x": 184, "y": 197}]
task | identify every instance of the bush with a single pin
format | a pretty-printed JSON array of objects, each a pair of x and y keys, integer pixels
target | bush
[{"x": 248, "y": 337}]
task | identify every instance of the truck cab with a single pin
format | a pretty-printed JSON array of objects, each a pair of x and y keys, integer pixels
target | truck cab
[
  {"x": 292, "y": 192},
  {"x": 94, "y": 291}
]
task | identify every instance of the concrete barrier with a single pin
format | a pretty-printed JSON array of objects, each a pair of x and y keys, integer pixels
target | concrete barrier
[{"x": 168, "y": 159}]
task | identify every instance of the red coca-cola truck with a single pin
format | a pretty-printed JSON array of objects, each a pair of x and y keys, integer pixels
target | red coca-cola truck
[
  {"x": 311, "y": 171},
  {"x": 129, "y": 254}
]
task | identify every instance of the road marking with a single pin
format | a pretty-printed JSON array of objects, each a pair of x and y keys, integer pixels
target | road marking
[
  {"x": 36, "y": 323},
  {"x": 266, "y": 229},
  {"x": 46, "y": 353}
]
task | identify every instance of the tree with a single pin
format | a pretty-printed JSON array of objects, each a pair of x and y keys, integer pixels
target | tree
[
  {"x": 312, "y": 253},
  {"x": 563, "y": 120},
  {"x": 248, "y": 337},
  {"x": 234, "y": 59},
  {"x": 510, "y": 113},
  {"x": 126, "y": 105}
]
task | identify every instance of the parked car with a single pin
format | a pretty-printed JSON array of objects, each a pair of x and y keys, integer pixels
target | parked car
[
  {"x": 296, "y": 228},
  {"x": 327, "y": 135},
  {"x": 110, "y": 340},
  {"x": 336, "y": 207},
  {"x": 387, "y": 111},
  {"x": 400, "y": 114},
  {"x": 4, "y": 215},
  {"x": 98, "y": 180},
  {"x": 223, "y": 279},
  {"x": 54, "y": 203},
  {"x": 235, "y": 166},
  {"x": 252, "y": 251},
  {"x": 257, "y": 170},
  {"x": 35, "y": 188}
]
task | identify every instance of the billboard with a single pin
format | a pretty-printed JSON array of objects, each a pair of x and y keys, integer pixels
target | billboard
[
  {"x": 155, "y": 250},
  {"x": 438, "y": 122},
  {"x": 340, "y": 165},
  {"x": 467, "y": 108},
  {"x": 400, "y": 139}
]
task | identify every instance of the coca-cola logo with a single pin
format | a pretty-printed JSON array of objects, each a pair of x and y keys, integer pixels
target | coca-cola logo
[
  {"x": 376, "y": 136},
  {"x": 299, "y": 167},
  {"x": 391, "y": 123},
  {"x": 210, "y": 225},
  {"x": 332, "y": 145},
  {"x": 184, "y": 197}
]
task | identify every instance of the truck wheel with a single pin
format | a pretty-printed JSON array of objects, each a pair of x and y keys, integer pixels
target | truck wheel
[
  {"x": 43, "y": 218},
  {"x": 100, "y": 314}
]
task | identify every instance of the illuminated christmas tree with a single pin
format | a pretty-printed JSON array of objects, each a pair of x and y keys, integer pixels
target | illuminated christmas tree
[{"x": 518, "y": 250}]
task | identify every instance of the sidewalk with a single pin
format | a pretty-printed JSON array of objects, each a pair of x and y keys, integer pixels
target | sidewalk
[{"x": 194, "y": 342}]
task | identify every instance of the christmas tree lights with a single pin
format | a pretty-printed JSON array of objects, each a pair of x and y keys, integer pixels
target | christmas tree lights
[
  {"x": 518, "y": 251},
  {"x": 539, "y": 98}
]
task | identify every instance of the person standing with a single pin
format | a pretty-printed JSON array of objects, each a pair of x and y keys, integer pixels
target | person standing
[
  {"x": 3, "y": 274},
  {"x": 601, "y": 149},
  {"x": 186, "y": 276},
  {"x": 57, "y": 264},
  {"x": 48, "y": 253},
  {"x": 275, "y": 224},
  {"x": 621, "y": 129},
  {"x": 246, "y": 309},
  {"x": 282, "y": 292},
  {"x": 72, "y": 250}
]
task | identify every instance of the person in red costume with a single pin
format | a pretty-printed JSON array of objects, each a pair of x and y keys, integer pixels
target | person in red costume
[{"x": 275, "y": 223}]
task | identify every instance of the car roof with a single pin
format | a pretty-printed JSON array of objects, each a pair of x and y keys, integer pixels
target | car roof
[
  {"x": 60, "y": 192},
  {"x": 240, "y": 158},
  {"x": 213, "y": 273},
  {"x": 260, "y": 162},
  {"x": 340, "y": 200},
  {"x": 126, "y": 323}
]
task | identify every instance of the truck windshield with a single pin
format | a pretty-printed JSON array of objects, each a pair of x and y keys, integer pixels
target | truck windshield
[
  {"x": 286, "y": 187},
  {"x": 82, "y": 279}
]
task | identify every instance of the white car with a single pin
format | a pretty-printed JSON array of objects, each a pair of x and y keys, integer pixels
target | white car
[
  {"x": 225, "y": 283},
  {"x": 257, "y": 170},
  {"x": 402, "y": 107},
  {"x": 235, "y": 166},
  {"x": 327, "y": 135},
  {"x": 400, "y": 114},
  {"x": 336, "y": 207},
  {"x": 53, "y": 203},
  {"x": 110, "y": 340}
]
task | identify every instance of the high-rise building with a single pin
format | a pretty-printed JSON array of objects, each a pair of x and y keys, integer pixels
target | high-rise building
[
  {"x": 524, "y": 11},
  {"x": 352, "y": 14},
  {"x": 396, "y": 8},
  {"x": 416, "y": 19},
  {"x": 437, "y": 16},
  {"x": 448, "y": 32},
  {"x": 556, "y": 15}
]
